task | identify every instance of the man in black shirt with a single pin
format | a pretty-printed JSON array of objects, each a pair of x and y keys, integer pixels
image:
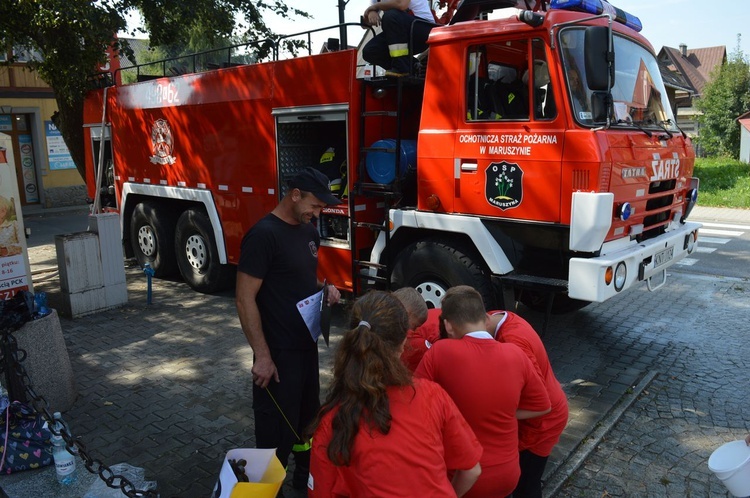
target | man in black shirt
[{"x": 277, "y": 269}]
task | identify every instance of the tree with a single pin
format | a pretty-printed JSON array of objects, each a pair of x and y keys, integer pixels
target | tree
[
  {"x": 73, "y": 36},
  {"x": 724, "y": 98}
]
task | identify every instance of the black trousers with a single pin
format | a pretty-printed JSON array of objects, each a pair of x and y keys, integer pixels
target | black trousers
[
  {"x": 298, "y": 396},
  {"x": 401, "y": 31},
  {"x": 532, "y": 470}
]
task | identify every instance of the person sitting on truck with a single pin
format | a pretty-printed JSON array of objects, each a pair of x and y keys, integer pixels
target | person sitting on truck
[
  {"x": 406, "y": 25},
  {"x": 380, "y": 432},
  {"x": 495, "y": 386}
]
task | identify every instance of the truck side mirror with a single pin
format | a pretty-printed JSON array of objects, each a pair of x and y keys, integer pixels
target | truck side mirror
[
  {"x": 600, "y": 62},
  {"x": 600, "y": 104}
]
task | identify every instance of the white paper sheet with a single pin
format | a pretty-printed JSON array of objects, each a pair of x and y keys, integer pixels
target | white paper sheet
[{"x": 310, "y": 308}]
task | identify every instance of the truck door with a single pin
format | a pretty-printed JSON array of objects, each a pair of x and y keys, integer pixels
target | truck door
[{"x": 509, "y": 147}]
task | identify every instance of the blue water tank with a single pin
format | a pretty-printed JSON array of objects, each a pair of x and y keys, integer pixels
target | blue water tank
[{"x": 380, "y": 164}]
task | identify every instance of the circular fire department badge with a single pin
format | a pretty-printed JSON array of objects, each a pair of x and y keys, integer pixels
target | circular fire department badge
[{"x": 161, "y": 143}]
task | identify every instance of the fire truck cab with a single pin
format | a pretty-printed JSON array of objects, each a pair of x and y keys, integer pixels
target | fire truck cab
[{"x": 535, "y": 158}]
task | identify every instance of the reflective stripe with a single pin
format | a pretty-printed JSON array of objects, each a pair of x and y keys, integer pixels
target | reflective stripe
[
  {"x": 327, "y": 156},
  {"x": 302, "y": 447},
  {"x": 398, "y": 49}
]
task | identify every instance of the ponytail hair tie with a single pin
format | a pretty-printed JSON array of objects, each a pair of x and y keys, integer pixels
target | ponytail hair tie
[{"x": 365, "y": 324}]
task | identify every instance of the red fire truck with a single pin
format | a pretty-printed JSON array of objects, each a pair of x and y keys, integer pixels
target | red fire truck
[{"x": 535, "y": 157}]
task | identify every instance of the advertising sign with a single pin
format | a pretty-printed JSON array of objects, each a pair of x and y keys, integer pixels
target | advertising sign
[
  {"x": 59, "y": 155},
  {"x": 27, "y": 168},
  {"x": 15, "y": 274},
  {"x": 5, "y": 123}
]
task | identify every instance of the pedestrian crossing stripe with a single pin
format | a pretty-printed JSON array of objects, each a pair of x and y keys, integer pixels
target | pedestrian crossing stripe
[
  {"x": 706, "y": 250},
  {"x": 687, "y": 261},
  {"x": 724, "y": 225},
  {"x": 713, "y": 240},
  {"x": 727, "y": 233}
]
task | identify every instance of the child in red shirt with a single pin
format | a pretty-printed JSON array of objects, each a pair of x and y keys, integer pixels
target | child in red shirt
[
  {"x": 379, "y": 433},
  {"x": 492, "y": 383},
  {"x": 423, "y": 326},
  {"x": 537, "y": 436}
]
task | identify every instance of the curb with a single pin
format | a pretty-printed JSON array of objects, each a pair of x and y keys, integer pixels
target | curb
[{"x": 576, "y": 458}]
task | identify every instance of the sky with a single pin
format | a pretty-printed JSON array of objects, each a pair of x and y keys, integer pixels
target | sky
[{"x": 696, "y": 23}]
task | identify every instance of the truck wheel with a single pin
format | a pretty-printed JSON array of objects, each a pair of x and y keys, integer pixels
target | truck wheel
[
  {"x": 432, "y": 267},
  {"x": 152, "y": 238},
  {"x": 197, "y": 256}
]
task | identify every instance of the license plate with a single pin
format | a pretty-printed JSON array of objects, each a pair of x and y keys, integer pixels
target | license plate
[{"x": 663, "y": 257}]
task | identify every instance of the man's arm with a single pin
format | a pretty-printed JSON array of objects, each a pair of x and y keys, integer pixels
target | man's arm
[
  {"x": 372, "y": 13},
  {"x": 264, "y": 369}
]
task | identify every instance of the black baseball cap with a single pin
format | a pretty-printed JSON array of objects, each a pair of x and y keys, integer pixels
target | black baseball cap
[{"x": 313, "y": 181}]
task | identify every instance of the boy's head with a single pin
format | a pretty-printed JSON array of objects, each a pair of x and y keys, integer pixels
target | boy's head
[
  {"x": 415, "y": 305},
  {"x": 462, "y": 312}
]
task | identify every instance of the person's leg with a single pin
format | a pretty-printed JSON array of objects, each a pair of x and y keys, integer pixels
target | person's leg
[
  {"x": 532, "y": 470},
  {"x": 272, "y": 427},
  {"x": 308, "y": 410},
  {"x": 376, "y": 52},
  {"x": 397, "y": 30},
  {"x": 420, "y": 31}
]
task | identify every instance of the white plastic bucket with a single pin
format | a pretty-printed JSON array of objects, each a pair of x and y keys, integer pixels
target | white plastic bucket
[{"x": 731, "y": 464}]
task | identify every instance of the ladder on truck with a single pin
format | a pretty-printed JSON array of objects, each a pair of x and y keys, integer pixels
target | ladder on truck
[{"x": 364, "y": 271}]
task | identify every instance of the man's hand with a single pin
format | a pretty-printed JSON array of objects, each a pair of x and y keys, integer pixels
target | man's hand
[
  {"x": 264, "y": 369},
  {"x": 372, "y": 17},
  {"x": 334, "y": 296}
]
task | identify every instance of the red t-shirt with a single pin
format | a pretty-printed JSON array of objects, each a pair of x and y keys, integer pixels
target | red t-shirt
[
  {"x": 421, "y": 339},
  {"x": 428, "y": 437},
  {"x": 489, "y": 381},
  {"x": 538, "y": 435}
]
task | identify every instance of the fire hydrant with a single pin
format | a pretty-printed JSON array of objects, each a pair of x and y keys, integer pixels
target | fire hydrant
[{"x": 149, "y": 273}]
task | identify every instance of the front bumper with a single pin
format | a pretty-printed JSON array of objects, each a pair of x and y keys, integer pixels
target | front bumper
[{"x": 586, "y": 276}]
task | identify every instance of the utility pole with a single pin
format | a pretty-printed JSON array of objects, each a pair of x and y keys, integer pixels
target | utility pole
[{"x": 342, "y": 5}]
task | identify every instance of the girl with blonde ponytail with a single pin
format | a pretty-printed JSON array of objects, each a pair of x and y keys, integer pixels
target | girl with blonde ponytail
[{"x": 379, "y": 432}]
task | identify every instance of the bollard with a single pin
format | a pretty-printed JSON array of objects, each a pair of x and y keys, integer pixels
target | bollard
[{"x": 149, "y": 273}]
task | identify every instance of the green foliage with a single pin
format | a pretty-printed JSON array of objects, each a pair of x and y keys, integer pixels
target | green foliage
[
  {"x": 724, "y": 182},
  {"x": 724, "y": 98},
  {"x": 72, "y": 37}
]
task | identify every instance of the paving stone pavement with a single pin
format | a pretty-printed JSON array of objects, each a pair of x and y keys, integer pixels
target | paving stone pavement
[
  {"x": 167, "y": 386},
  {"x": 697, "y": 402}
]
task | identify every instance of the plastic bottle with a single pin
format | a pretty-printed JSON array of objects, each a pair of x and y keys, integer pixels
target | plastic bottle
[{"x": 65, "y": 462}]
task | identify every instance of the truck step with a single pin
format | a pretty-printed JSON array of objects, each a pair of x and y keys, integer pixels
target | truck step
[
  {"x": 369, "y": 264},
  {"x": 390, "y": 114},
  {"x": 533, "y": 282},
  {"x": 372, "y": 226}
]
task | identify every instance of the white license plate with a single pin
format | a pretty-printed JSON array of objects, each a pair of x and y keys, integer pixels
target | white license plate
[{"x": 663, "y": 257}]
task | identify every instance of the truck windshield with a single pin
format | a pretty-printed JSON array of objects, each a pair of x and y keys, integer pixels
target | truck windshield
[{"x": 639, "y": 97}]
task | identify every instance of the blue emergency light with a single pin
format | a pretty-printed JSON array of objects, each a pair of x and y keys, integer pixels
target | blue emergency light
[{"x": 597, "y": 7}]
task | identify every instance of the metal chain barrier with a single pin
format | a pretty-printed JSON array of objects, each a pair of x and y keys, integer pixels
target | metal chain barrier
[{"x": 72, "y": 444}]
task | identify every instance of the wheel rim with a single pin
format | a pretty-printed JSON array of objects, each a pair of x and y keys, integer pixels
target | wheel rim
[
  {"x": 432, "y": 293},
  {"x": 147, "y": 241},
  {"x": 195, "y": 249}
]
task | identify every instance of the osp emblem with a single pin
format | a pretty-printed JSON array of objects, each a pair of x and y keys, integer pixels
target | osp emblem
[
  {"x": 162, "y": 145},
  {"x": 504, "y": 185}
]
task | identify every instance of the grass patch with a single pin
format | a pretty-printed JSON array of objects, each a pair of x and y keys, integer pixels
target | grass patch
[{"x": 723, "y": 182}]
